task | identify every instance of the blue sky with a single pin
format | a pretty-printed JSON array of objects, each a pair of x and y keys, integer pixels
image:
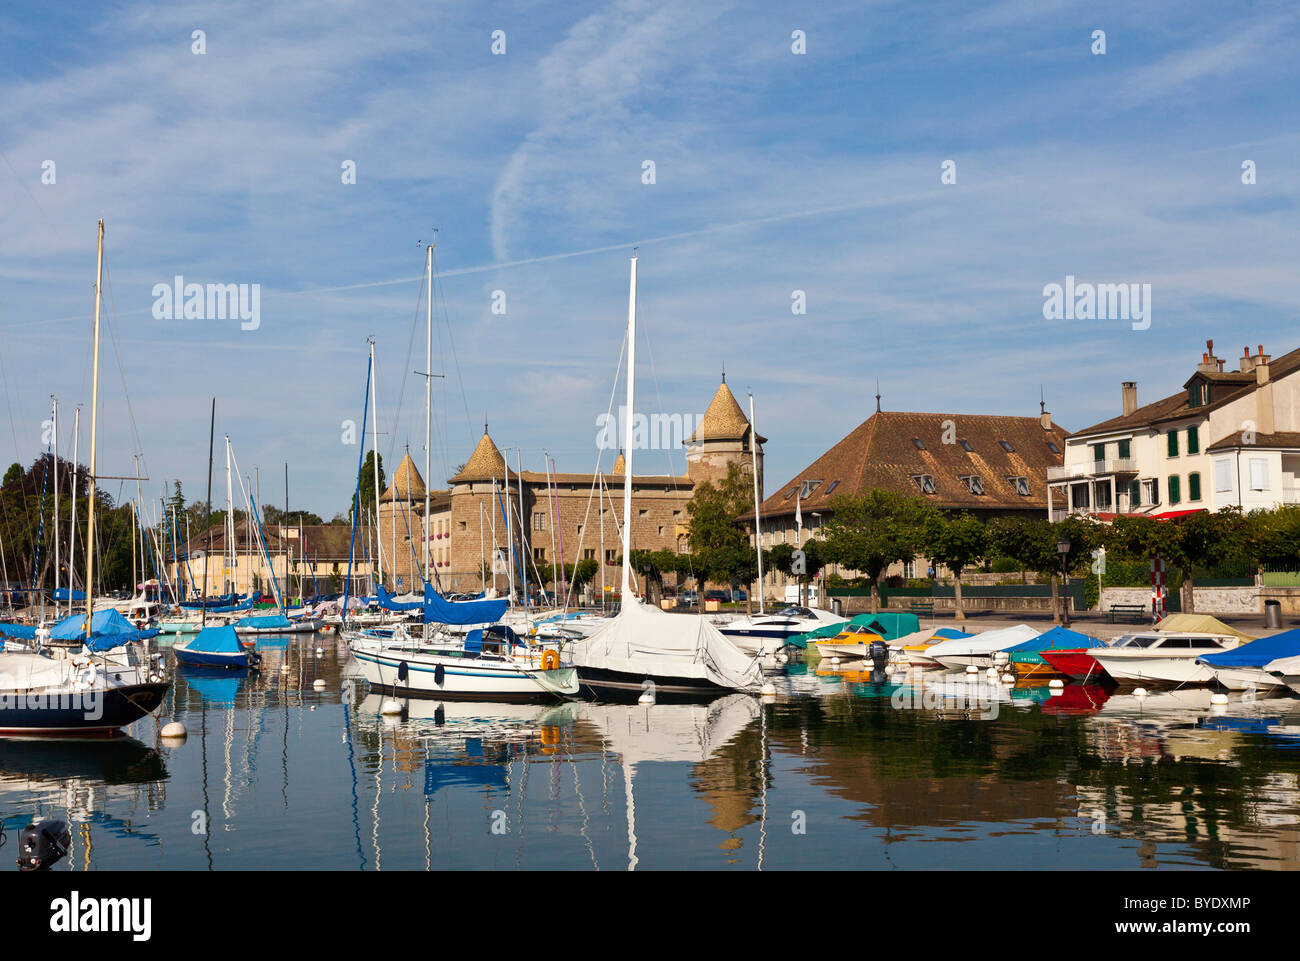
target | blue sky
[{"x": 774, "y": 172}]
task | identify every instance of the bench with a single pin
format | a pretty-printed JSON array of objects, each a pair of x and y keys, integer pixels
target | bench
[
  {"x": 1134, "y": 612},
  {"x": 921, "y": 607}
]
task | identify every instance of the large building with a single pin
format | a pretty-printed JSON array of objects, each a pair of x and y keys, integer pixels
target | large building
[
  {"x": 986, "y": 465},
  {"x": 568, "y": 516},
  {"x": 1226, "y": 438}
]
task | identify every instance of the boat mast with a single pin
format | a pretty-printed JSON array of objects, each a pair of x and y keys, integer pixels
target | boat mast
[
  {"x": 600, "y": 498},
  {"x": 230, "y": 527},
  {"x": 374, "y": 433},
  {"x": 627, "y": 476},
  {"x": 428, "y": 404},
  {"x": 207, "y": 520},
  {"x": 510, "y": 532},
  {"x": 56, "y": 503},
  {"x": 94, "y": 423},
  {"x": 524, "y": 537},
  {"x": 72, "y": 537},
  {"x": 758, "y": 524}
]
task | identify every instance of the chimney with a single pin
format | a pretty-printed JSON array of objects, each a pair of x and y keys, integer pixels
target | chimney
[
  {"x": 1247, "y": 361},
  {"x": 1129, "y": 392},
  {"x": 1045, "y": 420},
  {"x": 1262, "y": 358},
  {"x": 1209, "y": 363}
]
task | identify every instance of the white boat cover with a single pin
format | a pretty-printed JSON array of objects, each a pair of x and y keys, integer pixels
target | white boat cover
[
  {"x": 28, "y": 672},
  {"x": 986, "y": 643},
  {"x": 671, "y": 732},
  {"x": 650, "y": 642}
]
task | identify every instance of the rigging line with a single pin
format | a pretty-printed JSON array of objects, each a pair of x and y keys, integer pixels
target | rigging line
[
  {"x": 109, "y": 314},
  {"x": 450, "y": 340},
  {"x": 406, "y": 368}
]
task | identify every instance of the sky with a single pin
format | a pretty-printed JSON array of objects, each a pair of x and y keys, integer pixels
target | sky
[{"x": 225, "y": 158}]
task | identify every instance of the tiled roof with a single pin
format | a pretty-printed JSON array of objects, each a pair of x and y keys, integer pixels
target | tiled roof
[
  {"x": 723, "y": 419},
  {"x": 1281, "y": 439},
  {"x": 407, "y": 483},
  {"x": 485, "y": 463},
  {"x": 1228, "y": 386},
  {"x": 883, "y": 452}
]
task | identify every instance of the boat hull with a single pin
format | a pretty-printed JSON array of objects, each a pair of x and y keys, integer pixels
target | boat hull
[
  {"x": 119, "y": 707},
  {"x": 1246, "y": 679},
  {"x": 1150, "y": 669},
  {"x": 603, "y": 683},
  {"x": 467, "y": 679},
  {"x": 1076, "y": 665},
  {"x": 234, "y": 661}
]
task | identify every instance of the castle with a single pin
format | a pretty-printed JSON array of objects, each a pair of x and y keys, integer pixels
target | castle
[{"x": 569, "y": 517}]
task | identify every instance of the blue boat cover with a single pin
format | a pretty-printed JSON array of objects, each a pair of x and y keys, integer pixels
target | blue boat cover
[
  {"x": 951, "y": 633},
  {"x": 1058, "y": 638},
  {"x": 61, "y": 594},
  {"x": 23, "y": 632},
  {"x": 264, "y": 621},
  {"x": 386, "y": 601},
  {"x": 216, "y": 602},
  {"x": 1257, "y": 653},
  {"x": 216, "y": 640},
  {"x": 439, "y": 610},
  {"x": 474, "y": 642},
  {"x": 108, "y": 629}
]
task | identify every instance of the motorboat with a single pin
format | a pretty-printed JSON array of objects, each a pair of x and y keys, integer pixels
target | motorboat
[
  {"x": 768, "y": 633},
  {"x": 1248, "y": 667},
  {"x": 1156, "y": 657},
  {"x": 979, "y": 649}
]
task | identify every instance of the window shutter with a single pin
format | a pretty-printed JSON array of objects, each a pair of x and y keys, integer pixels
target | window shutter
[
  {"x": 1258, "y": 474},
  {"x": 1175, "y": 495},
  {"x": 1173, "y": 443},
  {"x": 1193, "y": 487},
  {"x": 1222, "y": 474},
  {"x": 1193, "y": 440}
]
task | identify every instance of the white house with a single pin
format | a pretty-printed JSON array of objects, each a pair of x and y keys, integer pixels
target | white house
[{"x": 1228, "y": 437}]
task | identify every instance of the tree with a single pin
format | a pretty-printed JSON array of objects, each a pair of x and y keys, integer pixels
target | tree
[
  {"x": 869, "y": 532},
  {"x": 957, "y": 543},
  {"x": 368, "y": 484},
  {"x": 1033, "y": 543},
  {"x": 799, "y": 563},
  {"x": 1185, "y": 543}
]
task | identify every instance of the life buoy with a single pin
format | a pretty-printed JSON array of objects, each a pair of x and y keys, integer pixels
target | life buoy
[{"x": 550, "y": 660}]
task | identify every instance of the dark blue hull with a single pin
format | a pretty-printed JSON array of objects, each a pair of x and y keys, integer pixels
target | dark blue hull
[
  {"x": 102, "y": 712},
  {"x": 236, "y": 661}
]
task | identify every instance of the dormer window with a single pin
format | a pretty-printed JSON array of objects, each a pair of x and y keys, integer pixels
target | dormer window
[
  {"x": 973, "y": 483},
  {"x": 1006, "y": 446},
  {"x": 965, "y": 445},
  {"x": 1020, "y": 485},
  {"x": 1053, "y": 448},
  {"x": 1198, "y": 395},
  {"x": 918, "y": 443},
  {"x": 809, "y": 486},
  {"x": 924, "y": 483}
]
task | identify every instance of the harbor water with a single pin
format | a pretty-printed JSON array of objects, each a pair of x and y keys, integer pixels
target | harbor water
[{"x": 840, "y": 770}]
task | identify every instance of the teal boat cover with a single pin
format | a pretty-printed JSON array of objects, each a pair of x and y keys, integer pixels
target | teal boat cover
[
  {"x": 264, "y": 622},
  {"x": 216, "y": 640}
]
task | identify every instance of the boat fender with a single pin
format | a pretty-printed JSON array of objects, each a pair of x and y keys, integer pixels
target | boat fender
[
  {"x": 90, "y": 675},
  {"x": 550, "y": 660},
  {"x": 402, "y": 671},
  {"x": 439, "y": 675}
]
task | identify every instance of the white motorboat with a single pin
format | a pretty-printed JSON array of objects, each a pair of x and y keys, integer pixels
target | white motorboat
[
  {"x": 768, "y": 633},
  {"x": 1154, "y": 657},
  {"x": 1286, "y": 670},
  {"x": 979, "y": 649}
]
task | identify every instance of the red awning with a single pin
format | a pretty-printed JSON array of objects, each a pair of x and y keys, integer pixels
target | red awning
[{"x": 1170, "y": 515}]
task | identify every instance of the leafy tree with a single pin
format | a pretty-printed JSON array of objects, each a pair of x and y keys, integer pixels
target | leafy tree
[
  {"x": 957, "y": 543},
  {"x": 720, "y": 547},
  {"x": 868, "y": 532},
  {"x": 1185, "y": 543},
  {"x": 368, "y": 484}
]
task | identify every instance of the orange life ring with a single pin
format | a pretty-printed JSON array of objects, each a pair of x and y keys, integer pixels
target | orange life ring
[{"x": 550, "y": 659}]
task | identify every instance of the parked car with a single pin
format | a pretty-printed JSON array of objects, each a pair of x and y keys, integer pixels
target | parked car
[
  {"x": 717, "y": 595},
  {"x": 739, "y": 595},
  {"x": 690, "y": 597}
]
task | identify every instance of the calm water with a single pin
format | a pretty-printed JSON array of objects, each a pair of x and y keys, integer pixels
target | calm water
[{"x": 836, "y": 772}]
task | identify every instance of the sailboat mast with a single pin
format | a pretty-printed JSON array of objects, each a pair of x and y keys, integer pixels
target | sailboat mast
[
  {"x": 56, "y": 502},
  {"x": 523, "y": 525},
  {"x": 428, "y": 404},
  {"x": 510, "y": 533},
  {"x": 94, "y": 424},
  {"x": 207, "y": 519},
  {"x": 72, "y": 536},
  {"x": 230, "y": 526},
  {"x": 374, "y": 433},
  {"x": 627, "y": 476},
  {"x": 758, "y": 523}
]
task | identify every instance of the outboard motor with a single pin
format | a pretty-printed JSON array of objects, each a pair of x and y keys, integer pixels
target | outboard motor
[
  {"x": 42, "y": 844},
  {"x": 878, "y": 654}
]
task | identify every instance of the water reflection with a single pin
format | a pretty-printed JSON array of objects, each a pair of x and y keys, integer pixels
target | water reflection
[{"x": 844, "y": 768}]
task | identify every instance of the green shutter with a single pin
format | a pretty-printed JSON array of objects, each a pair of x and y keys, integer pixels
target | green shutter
[
  {"x": 1124, "y": 450},
  {"x": 1174, "y": 494},
  {"x": 1173, "y": 443},
  {"x": 1134, "y": 495},
  {"x": 1193, "y": 441},
  {"x": 1193, "y": 487},
  {"x": 1098, "y": 451}
]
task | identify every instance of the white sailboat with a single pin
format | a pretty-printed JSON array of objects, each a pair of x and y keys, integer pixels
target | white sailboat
[{"x": 642, "y": 645}]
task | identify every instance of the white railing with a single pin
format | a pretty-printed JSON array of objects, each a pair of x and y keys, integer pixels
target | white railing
[
  {"x": 1093, "y": 468},
  {"x": 1291, "y": 495}
]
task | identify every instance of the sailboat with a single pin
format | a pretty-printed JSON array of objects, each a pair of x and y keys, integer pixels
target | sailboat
[
  {"x": 644, "y": 646},
  {"x": 84, "y": 675}
]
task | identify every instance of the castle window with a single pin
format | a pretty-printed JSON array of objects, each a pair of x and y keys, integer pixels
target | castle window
[
  {"x": 588, "y": 553},
  {"x": 539, "y": 553},
  {"x": 539, "y": 521},
  {"x": 609, "y": 557}
]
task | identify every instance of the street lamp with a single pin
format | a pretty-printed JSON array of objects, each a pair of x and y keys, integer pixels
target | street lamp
[{"x": 1063, "y": 548}]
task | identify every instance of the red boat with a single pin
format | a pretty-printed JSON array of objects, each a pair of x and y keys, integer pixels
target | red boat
[
  {"x": 1077, "y": 664},
  {"x": 1077, "y": 699}
]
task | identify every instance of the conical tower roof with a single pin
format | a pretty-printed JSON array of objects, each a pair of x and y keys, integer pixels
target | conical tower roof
[
  {"x": 723, "y": 420},
  {"x": 485, "y": 463},
  {"x": 620, "y": 465},
  {"x": 407, "y": 483}
]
